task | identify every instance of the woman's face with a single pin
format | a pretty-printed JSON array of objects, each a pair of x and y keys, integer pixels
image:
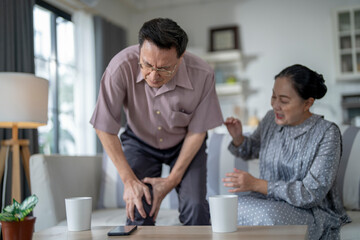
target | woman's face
[{"x": 289, "y": 107}]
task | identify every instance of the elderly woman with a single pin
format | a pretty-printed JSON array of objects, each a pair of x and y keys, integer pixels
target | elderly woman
[{"x": 299, "y": 154}]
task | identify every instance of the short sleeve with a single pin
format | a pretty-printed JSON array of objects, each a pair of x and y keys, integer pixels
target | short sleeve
[
  {"x": 107, "y": 113},
  {"x": 208, "y": 113}
]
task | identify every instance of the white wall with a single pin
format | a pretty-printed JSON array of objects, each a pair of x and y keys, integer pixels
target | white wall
[
  {"x": 115, "y": 11},
  {"x": 279, "y": 32}
]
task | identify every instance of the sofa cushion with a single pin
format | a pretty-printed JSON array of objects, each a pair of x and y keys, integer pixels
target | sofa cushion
[
  {"x": 348, "y": 176},
  {"x": 111, "y": 187},
  {"x": 351, "y": 231},
  {"x": 221, "y": 161},
  {"x": 56, "y": 177}
]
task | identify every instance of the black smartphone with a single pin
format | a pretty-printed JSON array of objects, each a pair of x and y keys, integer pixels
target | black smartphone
[{"x": 122, "y": 230}]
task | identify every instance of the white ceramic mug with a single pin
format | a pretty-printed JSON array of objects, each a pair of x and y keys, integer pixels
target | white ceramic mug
[
  {"x": 223, "y": 212},
  {"x": 78, "y": 213}
]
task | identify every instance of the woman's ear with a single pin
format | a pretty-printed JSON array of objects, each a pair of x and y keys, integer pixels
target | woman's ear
[{"x": 308, "y": 103}]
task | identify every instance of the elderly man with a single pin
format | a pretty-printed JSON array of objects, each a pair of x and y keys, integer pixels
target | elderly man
[{"x": 170, "y": 102}]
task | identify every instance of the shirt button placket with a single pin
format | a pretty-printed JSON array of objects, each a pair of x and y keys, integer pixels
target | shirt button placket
[{"x": 159, "y": 127}]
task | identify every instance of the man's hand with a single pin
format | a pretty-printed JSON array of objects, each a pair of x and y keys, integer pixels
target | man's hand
[
  {"x": 161, "y": 187},
  {"x": 242, "y": 181},
  {"x": 133, "y": 192}
]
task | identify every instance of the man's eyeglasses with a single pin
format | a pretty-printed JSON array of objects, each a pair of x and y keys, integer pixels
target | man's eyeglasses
[{"x": 161, "y": 71}]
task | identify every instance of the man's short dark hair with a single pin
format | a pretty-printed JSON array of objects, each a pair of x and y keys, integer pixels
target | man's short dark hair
[{"x": 165, "y": 34}]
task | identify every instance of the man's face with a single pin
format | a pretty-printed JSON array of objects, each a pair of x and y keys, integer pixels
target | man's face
[{"x": 158, "y": 66}]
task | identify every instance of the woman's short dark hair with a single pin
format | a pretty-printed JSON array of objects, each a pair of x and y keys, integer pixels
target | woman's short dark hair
[
  {"x": 165, "y": 34},
  {"x": 307, "y": 83}
]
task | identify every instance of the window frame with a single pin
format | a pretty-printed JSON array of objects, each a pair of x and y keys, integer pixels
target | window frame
[
  {"x": 353, "y": 75},
  {"x": 54, "y": 66}
]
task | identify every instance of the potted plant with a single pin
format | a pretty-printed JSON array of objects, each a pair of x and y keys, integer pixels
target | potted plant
[{"x": 15, "y": 224}]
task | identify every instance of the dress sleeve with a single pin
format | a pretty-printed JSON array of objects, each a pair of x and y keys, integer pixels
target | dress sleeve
[
  {"x": 313, "y": 188},
  {"x": 250, "y": 148}
]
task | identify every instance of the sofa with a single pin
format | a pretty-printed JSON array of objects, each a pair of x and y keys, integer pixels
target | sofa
[{"x": 56, "y": 177}]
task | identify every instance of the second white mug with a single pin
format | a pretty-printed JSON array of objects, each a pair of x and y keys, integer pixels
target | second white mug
[
  {"x": 78, "y": 213},
  {"x": 223, "y": 212}
]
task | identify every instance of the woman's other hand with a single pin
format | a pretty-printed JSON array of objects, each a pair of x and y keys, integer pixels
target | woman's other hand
[
  {"x": 241, "y": 181},
  {"x": 234, "y": 127}
]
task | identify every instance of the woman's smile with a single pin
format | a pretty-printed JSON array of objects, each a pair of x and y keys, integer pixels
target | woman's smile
[{"x": 279, "y": 116}]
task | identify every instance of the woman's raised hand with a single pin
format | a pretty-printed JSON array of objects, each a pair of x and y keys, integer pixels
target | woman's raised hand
[{"x": 234, "y": 127}]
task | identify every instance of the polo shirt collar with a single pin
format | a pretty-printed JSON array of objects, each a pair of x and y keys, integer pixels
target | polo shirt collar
[
  {"x": 298, "y": 130},
  {"x": 139, "y": 77},
  {"x": 182, "y": 78}
]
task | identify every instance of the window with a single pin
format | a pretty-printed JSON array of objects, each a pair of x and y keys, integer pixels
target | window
[
  {"x": 55, "y": 61},
  {"x": 348, "y": 43},
  {"x": 351, "y": 109}
]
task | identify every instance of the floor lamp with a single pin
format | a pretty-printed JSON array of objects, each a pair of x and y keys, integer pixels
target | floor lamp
[{"x": 23, "y": 104}]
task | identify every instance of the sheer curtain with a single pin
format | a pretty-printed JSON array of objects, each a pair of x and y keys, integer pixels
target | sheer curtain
[
  {"x": 109, "y": 40},
  {"x": 17, "y": 55},
  {"x": 84, "y": 95}
]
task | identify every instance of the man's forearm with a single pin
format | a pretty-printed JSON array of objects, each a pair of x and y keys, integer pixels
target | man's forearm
[
  {"x": 112, "y": 146},
  {"x": 191, "y": 146}
]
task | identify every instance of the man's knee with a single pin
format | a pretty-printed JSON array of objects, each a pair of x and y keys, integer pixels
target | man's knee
[{"x": 138, "y": 219}]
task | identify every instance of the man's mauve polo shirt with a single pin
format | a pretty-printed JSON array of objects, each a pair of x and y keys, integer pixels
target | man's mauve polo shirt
[{"x": 161, "y": 117}]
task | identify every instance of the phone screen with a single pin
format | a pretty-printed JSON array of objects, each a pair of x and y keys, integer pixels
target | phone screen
[{"x": 122, "y": 230}]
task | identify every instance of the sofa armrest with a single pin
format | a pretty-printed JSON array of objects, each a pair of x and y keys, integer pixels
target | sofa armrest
[{"x": 55, "y": 177}]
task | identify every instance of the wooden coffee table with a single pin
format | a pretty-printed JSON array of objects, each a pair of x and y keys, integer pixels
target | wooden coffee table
[{"x": 293, "y": 232}]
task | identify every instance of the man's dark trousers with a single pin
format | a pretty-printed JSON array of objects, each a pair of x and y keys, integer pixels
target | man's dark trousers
[{"x": 146, "y": 161}]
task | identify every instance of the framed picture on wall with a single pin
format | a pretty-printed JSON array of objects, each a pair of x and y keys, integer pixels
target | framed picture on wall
[{"x": 224, "y": 38}]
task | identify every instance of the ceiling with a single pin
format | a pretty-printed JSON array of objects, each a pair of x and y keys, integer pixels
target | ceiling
[
  {"x": 153, "y": 4},
  {"x": 150, "y": 4}
]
